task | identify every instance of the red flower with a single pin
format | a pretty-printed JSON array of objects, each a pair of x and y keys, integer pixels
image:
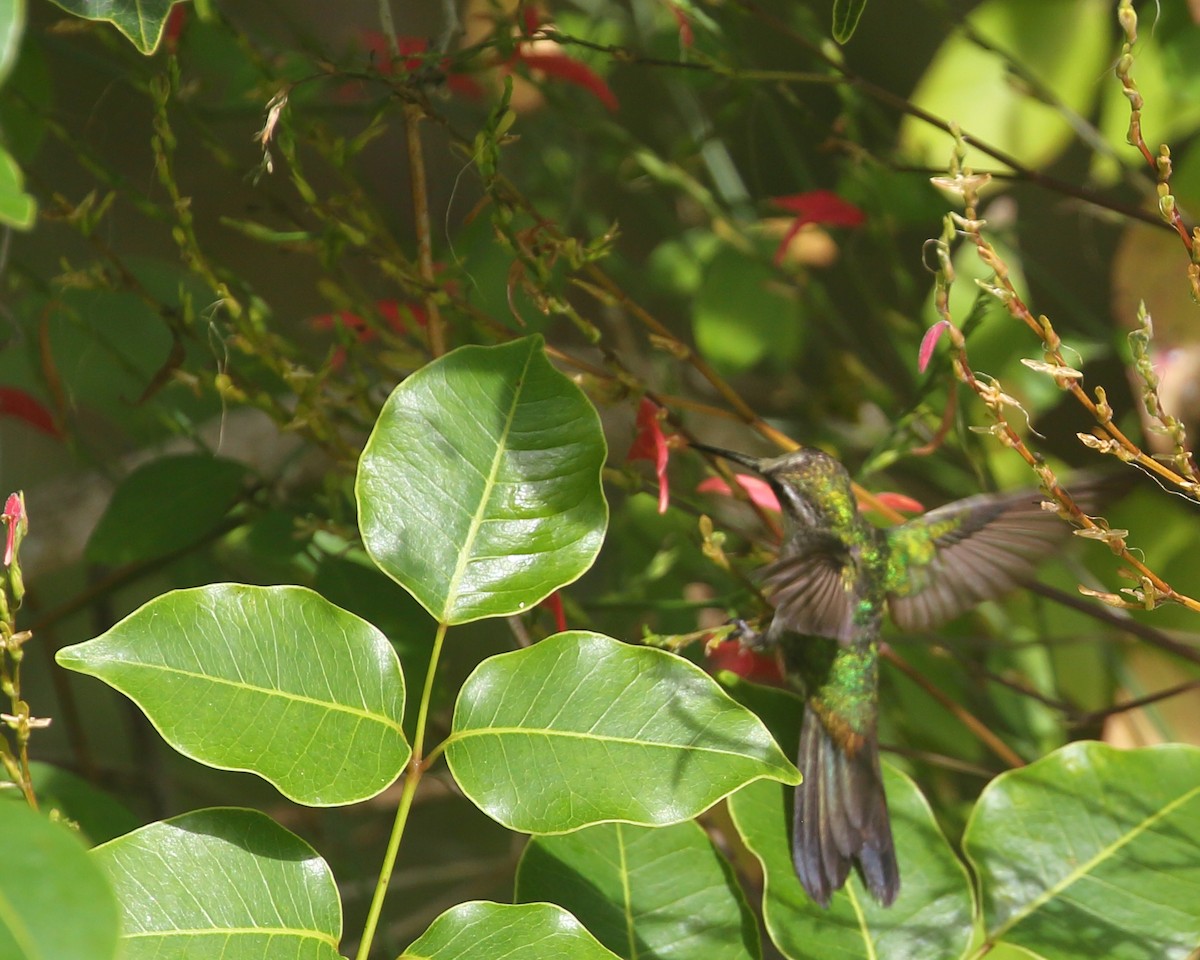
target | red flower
[
  {"x": 412, "y": 58},
  {"x": 559, "y": 66},
  {"x": 651, "y": 444},
  {"x": 816, "y": 206},
  {"x": 928, "y": 342},
  {"x": 752, "y": 665},
  {"x": 22, "y": 406}
]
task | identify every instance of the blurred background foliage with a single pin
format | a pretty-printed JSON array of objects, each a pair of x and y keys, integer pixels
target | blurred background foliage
[{"x": 226, "y": 263}]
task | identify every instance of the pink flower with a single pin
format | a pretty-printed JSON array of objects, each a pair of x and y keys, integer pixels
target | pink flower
[
  {"x": 928, "y": 342},
  {"x": 759, "y": 490},
  {"x": 14, "y": 516},
  {"x": 651, "y": 444},
  {"x": 753, "y": 665}
]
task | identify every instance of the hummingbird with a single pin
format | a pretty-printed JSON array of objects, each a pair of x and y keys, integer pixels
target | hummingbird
[{"x": 834, "y": 577}]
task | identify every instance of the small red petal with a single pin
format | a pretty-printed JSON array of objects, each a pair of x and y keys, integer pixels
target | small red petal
[
  {"x": 928, "y": 342},
  {"x": 898, "y": 501},
  {"x": 651, "y": 444},
  {"x": 176, "y": 20},
  {"x": 821, "y": 206},
  {"x": 22, "y": 406},
  {"x": 554, "y": 604},
  {"x": 759, "y": 490},
  {"x": 13, "y": 513},
  {"x": 569, "y": 70},
  {"x": 686, "y": 37}
]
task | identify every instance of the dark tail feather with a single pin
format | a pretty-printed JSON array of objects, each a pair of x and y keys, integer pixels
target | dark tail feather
[{"x": 840, "y": 816}]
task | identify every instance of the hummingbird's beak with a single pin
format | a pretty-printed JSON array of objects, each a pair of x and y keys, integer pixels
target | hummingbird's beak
[{"x": 753, "y": 463}]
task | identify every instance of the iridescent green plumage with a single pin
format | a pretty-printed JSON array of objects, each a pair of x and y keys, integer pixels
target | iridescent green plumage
[{"x": 834, "y": 576}]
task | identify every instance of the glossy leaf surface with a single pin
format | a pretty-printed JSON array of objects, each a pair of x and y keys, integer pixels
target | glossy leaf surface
[
  {"x": 581, "y": 729},
  {"x": 479, "y": 488},
  {"x": 273, "y": 680}
]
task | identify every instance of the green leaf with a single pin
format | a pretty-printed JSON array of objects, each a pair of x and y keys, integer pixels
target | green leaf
[
  {"x": 224, "y": 883},
  {"x": 485, "y": 931},
  {"x": 1092, "y": 851},
  {"x": 582, "y": 729},
  {"x": 164, "y": 506},
  {"x": 1064, "y": 44},
  {"x": 99, "y": 815},
  {"x": 12, "y": 29},
  {"x": 54, "y": 900},
  {"x": 742, "y": 315},
  {"x": 644, "y": 891},
  {"x": 272, "y": 680},
  {"x": 845, "y": 18},
  {"x": 17, "y": 208},
  {"x": 142, "y": 21},
  {"x": 930, "y": 918},
  {"x": 479, "y": 488}
]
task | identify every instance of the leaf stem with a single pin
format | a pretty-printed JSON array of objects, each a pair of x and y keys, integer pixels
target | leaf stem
[{"x": 416, "y": 767}]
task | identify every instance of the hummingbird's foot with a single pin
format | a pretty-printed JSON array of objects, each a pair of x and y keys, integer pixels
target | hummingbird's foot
[{"x": 749, "y": 637}]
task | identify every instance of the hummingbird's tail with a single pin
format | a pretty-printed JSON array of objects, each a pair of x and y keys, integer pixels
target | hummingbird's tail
[{"x": 840, "y": 816}]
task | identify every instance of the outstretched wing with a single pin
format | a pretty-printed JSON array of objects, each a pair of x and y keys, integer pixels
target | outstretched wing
[
  {"x": 950, "y": 559},
  {"x": 810, "y": 592}
]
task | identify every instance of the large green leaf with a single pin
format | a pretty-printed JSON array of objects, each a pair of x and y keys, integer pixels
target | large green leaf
[
  {"x": 1065, "y": 44},
  {"x": 165, "y": 505},
  {"x": 488, "y": 931},
  {"x": 142, "y": 21},
  {"x": 644, "y": 892},
  {"x": 582, "y": 729},
  {"x": 223, "y": 883},
  {"x": 54, "y": 901},
  {"x": 1093, "y": 851},
  {"x": 274, "y": 680},
  {"x": 930, "y": 918},
  {"x": 479, "y": 489}
]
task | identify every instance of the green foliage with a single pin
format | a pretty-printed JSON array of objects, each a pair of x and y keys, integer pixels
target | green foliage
[{"x": 458, "y": 307}]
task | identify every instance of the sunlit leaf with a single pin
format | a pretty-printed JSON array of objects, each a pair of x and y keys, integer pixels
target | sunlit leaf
[
  {"x": 481, "y": 931},
  {"x": 644, "y": 891},
  {"x": 581, "y": 729},
  {"x": 224, "y": 883},
  {"x": 1093, "y": 851},
  {"x": 273, "y": 680},
  {"x": 479, "y": 489}
]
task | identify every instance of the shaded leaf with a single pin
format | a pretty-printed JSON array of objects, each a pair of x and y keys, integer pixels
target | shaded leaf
[
  {"x": 142, "y": 21},
  {"x": 644, "y": 892},
  {"x": 846, "y": 14},
  {"x": 581, "y": 729},
  {"x": 1093, "y": 851},
  {"x": 931, "y": 917},
  {"x": 479, "y": 489},
  {"x": 486, "y": 931},
  {"x": 224, "y": 883},
  {"x": 47, "y": 878},
  {"x": 164, "y": 506},
  {"x": 272, "y": 680}
]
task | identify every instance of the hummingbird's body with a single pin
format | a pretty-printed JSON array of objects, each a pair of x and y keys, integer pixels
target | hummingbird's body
[{"x": 835, "y": 575}]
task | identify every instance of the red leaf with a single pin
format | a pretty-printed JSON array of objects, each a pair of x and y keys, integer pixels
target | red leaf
[
  {"x": 22, "y": 406},
  {"x": 650, "y": 444},
  {"x": 759, "y": 490},
  {"x": 554, "y": 604},
  {"x": 753, "y": 665},
  {"x": 561, "y": 67}
]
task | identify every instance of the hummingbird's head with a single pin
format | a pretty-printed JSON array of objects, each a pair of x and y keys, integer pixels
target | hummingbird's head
[{"x": 811, "y": 486}]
